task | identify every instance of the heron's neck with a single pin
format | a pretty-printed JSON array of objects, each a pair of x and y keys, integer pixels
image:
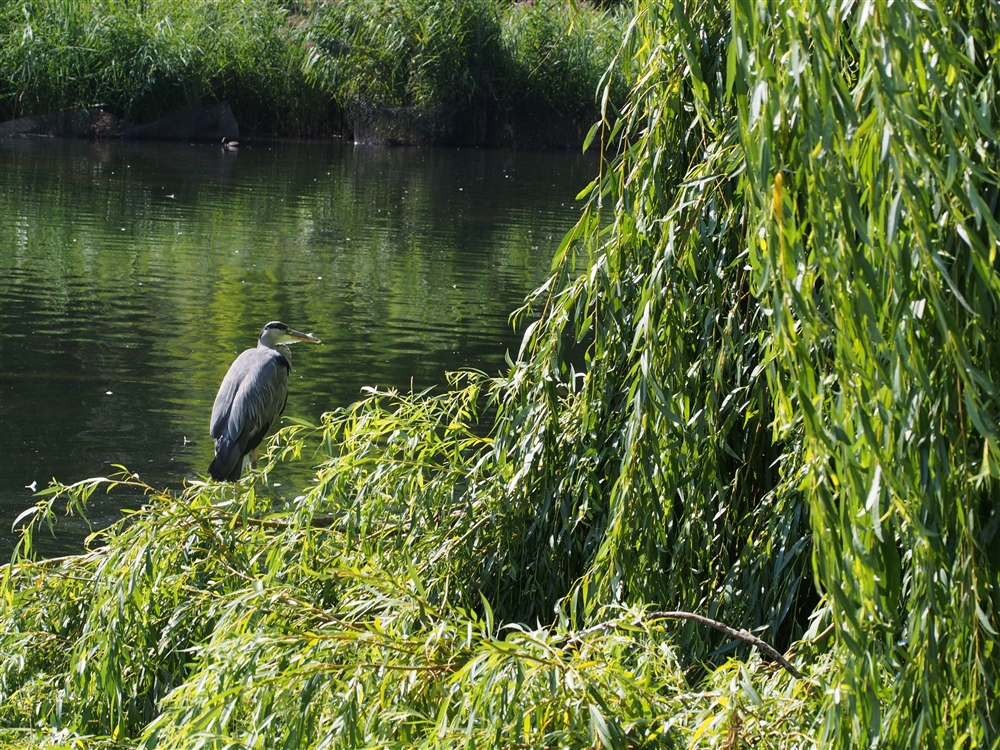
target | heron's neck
[{"x": 279, "y": 348}]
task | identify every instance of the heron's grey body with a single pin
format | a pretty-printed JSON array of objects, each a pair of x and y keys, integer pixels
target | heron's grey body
[{"x": 252, "y": 395}]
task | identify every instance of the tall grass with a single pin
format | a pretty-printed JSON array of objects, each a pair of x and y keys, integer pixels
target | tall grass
[
  {"x": 788, "y": 389},
  {"x": 391, "y": 53},
  {"x": 464, "y": 69},
  {"x": 142, "y": 60},
  {"x": 440, "y": 70},
  {"x": 557, "y": 55}
]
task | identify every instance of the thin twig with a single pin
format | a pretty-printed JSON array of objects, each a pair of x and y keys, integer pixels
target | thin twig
[
  {"x": 741, "y": 635},
  {"x": 316, "y": 522}
]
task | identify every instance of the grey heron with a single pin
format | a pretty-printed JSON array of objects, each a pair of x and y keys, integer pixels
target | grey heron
[{"x": 251, "y": 397}]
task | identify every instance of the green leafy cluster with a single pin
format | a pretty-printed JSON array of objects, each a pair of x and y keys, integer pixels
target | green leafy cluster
[
  {"x": 760, "y": 387},
  {"x": 871, "y": 155},
  {"x": 212, "y": 618}
]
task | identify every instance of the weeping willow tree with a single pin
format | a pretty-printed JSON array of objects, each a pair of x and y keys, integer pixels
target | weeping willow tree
[
  {"x": 871, "y": 161},
  {"x": 758, "y": 389}
]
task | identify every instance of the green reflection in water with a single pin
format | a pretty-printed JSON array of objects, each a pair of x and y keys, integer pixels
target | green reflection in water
[{"x": 132, "y": 274}]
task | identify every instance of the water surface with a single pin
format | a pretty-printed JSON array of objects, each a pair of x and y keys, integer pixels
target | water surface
[{"x": 131, "y": 275}]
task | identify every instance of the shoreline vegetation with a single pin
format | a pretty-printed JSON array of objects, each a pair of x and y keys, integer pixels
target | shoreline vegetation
[
  {"x": 420, "y": 72},
  {"x": 785, "y": 281}
]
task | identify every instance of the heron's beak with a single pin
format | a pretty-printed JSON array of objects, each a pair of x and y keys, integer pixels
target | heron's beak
[{"x": 306, "y": 337}]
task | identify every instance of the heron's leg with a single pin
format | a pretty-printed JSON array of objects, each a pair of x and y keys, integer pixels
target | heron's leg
[{"x": 253, "y": 458}]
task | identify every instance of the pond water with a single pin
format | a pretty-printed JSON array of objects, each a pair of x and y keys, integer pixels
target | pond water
[{"x": 131, "y": 275}]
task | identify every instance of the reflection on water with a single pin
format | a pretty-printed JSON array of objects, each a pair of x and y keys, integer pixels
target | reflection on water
[{"x": 132, "y": 274}]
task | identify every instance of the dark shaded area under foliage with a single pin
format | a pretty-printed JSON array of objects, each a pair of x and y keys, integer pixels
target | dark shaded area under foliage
[{"x": 210, "y": 123}]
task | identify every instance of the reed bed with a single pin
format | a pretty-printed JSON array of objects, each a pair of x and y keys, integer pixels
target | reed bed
[
  {"x": 465, "y": 70},
  {"x": 144, "y": 60},
  {"x": 443, "y": 71}
]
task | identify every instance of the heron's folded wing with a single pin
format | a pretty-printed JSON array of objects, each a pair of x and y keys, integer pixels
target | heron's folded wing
[
  {"x": 259, "y": 398},
  {"x": 226, "y": 396}
]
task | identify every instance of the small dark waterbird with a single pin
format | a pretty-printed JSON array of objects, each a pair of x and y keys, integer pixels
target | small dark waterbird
[{"x": 252, "y": 395}]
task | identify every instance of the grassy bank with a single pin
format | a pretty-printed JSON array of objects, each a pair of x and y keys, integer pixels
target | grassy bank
[
  {"x": 786, "y": 423},
  {"x": 459, "y": 71},
  {"x": 144, "y": 60}
]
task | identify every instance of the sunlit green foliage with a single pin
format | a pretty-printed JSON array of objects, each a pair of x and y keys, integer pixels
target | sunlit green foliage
[
  {"x": 211, "y": 620},
  {"x": 869, "y": 134},
  {"x": 771, "y": 371}
]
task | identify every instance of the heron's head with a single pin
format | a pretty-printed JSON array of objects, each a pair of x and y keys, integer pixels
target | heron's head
[{"x": 276, "y": 332}]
